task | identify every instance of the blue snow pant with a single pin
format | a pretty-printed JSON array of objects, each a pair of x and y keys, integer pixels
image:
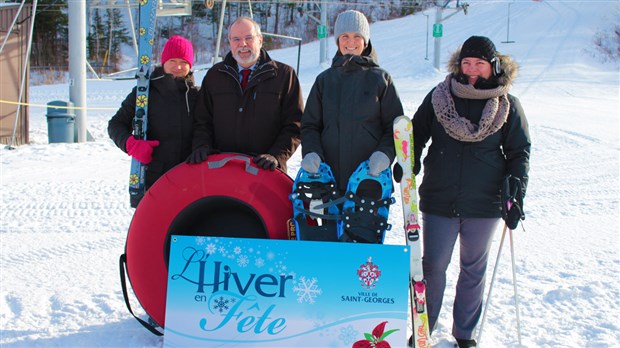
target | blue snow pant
[{"x": 476, "y": 237}]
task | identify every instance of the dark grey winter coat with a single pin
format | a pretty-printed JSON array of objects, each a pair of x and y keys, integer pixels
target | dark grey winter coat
[
  {"x": 463, "y": 179},
  {"x": 171, "y": 104},
  {"x": 263, "y": 118},
  {"x": 349, "y": 114}
]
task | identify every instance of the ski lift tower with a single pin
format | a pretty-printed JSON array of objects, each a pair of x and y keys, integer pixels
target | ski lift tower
[
  {"x": 322, "y": 28},
  {"x": 438, "y": 26},
  {"x": 77, "y": 47},
  {"x": 77, "y": 65}
]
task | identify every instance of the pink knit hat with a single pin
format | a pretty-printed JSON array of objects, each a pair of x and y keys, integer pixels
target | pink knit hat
[{"x": 180, "y": 48}]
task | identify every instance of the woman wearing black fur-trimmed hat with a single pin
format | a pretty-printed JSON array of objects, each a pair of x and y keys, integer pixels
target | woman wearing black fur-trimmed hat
[{"x": 479, "y": 135}]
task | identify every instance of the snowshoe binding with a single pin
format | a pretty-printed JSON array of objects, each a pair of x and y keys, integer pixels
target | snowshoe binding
[
  {"x": 315, "y": 205},
  {"x": 366, "y": 207}
]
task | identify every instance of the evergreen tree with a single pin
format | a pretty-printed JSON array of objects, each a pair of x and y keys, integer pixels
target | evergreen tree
[
  {"x": 51, "y": 34},
  {"x": 94, "y": 38},
  {"x": 117, "y": 36}
]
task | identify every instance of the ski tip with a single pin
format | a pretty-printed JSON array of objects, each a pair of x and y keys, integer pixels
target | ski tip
[{"x": 401, "y": 118}]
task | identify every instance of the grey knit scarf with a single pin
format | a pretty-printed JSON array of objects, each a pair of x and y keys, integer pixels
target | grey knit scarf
[{"x": 460, "y": 128}]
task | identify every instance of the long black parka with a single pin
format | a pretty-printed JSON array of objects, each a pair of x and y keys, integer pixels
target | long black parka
[
  {"x": 170, "y": 118},
  {"x": 262, "y": 119},
  {"x": 349, "y": 114},
  {"x": 463, "y": 179}
]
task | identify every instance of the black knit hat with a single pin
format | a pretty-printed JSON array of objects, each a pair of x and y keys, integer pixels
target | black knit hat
[{"x": 480, "y": 47}]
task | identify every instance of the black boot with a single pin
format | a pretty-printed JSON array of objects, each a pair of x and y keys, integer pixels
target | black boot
[{"x": 461, "y": 343}]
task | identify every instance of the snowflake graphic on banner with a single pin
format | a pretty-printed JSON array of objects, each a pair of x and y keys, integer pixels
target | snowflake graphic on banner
[
  {"x": 243, "y": 261},
  {"x": 307, "y": 290},
  {"x": 211, "y": 248},
  {"x": 348, "y": 335},
  {"x": 200, "y": 240},
  {"x": 259, "y": 262},
  {"x": 221, "y": 304}
]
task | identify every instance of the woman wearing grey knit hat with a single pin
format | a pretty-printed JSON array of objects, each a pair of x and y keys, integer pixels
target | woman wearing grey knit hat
[
  {"x": 351, "y": 107},
  {"x": 480, "y": 140}
]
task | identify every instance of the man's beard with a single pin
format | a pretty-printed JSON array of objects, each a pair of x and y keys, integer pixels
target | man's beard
[{"x": 251, "y": 58}]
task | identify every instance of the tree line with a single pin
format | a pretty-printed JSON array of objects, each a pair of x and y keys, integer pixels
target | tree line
[{"x": 109, "y": 30}]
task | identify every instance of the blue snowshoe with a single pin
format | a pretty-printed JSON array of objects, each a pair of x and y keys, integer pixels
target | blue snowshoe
[
  {"x": 315, "y": 205},
  {"x": 366, "y": 208}
]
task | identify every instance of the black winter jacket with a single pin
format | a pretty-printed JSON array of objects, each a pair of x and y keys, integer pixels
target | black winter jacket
[
  {"x": 463, "y": 179},
  {"x": 171, "y": 103},
  {"x": 263, "y": 118},
  {"x": 349, "y": 114}
]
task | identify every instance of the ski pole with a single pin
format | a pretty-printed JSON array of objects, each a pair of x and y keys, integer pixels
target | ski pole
[
  {"x": 514, "y": 283},
  {"x": 486, "y": 305}
]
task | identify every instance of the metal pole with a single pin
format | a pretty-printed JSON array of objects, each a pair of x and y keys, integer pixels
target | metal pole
[
  {"x": 133, "y": 28},
  {"x": 6, "y": 38},
  {"x": 514, "y": 283},
  {"x": 508, "y": 26},
  {"x": 488, "y": 301},
  {"x": 426, "y": 56},
  {"x": 438, "y": 15},
  {"x": 90, "y": 68},
  {"x": 26, "y": 63},
  {"x": 298, "y": 55},
  {"x": 298, "y": 39},
  {"x": 323, "y": 52},
  {"x": 216, "y": 57},
  {"x": 77, "y": 65}
]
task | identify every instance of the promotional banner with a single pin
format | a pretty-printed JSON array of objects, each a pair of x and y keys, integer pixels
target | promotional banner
[{"x": 231, "y": 292}]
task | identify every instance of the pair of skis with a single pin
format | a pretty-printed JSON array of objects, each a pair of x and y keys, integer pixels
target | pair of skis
[
  {"x": 146, "y": 24},
  {"x": 403, "y": 143}
]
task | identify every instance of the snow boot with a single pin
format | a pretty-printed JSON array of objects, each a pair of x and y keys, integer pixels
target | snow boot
[{"x": 463, "y": 343}]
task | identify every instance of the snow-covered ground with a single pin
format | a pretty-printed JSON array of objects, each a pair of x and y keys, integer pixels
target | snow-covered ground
[{"x": 65, "y": 210}]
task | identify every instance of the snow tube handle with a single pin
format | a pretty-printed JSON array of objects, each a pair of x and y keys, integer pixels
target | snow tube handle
[
  {"x": 123, "y": 264},
  {"x": 222, "y": 162}
]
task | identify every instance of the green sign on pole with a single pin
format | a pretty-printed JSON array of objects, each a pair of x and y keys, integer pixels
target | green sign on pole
[
  {"x": 437, "y": 30},
  {"x": 321, "y": 31}
]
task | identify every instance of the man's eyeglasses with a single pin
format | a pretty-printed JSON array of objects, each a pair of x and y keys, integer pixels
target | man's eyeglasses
[{"x": 237, "y": 40}]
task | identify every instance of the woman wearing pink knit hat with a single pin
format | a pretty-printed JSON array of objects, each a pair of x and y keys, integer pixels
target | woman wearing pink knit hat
[{"x": 172, "y": 95}]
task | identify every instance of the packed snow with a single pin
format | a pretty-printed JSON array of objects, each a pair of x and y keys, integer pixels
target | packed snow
[{"x": 65, "y": 208}]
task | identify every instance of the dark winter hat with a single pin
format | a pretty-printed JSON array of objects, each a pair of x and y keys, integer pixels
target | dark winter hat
[
  {"x": 178, "y": 47},
  {"x": 479, "y": 47},
  {"x": 352, "y": 22}
]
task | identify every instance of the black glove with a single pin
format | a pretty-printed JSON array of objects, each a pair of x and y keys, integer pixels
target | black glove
[
  {"x": 417, "y": 166},
  {"x": 512, "y": 201},
  {"x": 200, "y": 154},
  {"x": 266, "y": 161},
  {"x": 397, "y": 172}
]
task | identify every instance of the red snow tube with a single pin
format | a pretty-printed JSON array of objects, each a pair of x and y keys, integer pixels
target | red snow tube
[{"x": 228, "y": 196}]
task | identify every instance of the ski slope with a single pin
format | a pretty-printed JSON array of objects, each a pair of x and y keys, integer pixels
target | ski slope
[{"x": 65, "y": 209}]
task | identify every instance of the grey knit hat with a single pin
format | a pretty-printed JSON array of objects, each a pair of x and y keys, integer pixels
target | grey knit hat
[{"x": 352, "y": 22}]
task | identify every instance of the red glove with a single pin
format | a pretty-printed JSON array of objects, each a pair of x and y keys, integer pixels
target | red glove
[{"x": 141, "y": 150}]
